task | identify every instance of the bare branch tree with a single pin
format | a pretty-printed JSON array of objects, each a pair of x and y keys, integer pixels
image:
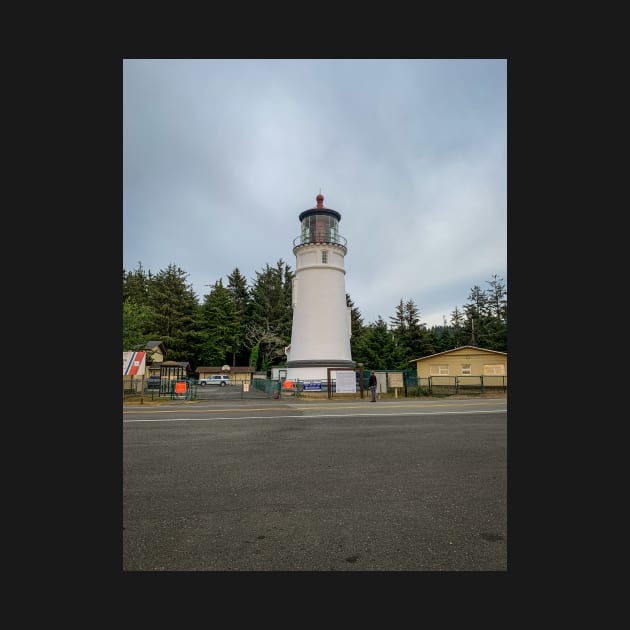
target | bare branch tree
[{"x": 266, "y": 337}]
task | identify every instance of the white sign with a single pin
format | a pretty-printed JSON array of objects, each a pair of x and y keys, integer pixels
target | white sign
[
  {"x": 396, "y": 379},
  {"x": 346, "y": 382},
  {"x": 134, "y": 363}
]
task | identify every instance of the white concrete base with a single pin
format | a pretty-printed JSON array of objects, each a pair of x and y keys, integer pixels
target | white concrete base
[{"x": 310, "y": 374}]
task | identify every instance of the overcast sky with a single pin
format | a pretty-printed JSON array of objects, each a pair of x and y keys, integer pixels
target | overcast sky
[{"x": 220, "y": 156}]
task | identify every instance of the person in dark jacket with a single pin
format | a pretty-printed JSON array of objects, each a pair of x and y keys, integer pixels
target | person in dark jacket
[{"x": 372, "y": 386}]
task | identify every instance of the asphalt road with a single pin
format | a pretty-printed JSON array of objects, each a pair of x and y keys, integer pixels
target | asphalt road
[{"x": 332, "y": 486}]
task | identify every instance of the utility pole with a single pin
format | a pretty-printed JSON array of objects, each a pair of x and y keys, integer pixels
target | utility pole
[{"x": 473, "y": 332}]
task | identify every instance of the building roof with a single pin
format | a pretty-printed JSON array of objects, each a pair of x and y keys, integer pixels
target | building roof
[
  {"x": 219, "y": 370},
  {"x": 184, "y": 364},
  {"x": 158, "y": 366},
  {"x": 437, "y": 354}
]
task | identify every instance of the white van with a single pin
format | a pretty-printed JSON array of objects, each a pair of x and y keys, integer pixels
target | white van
[{"x": 215, "y": 379}]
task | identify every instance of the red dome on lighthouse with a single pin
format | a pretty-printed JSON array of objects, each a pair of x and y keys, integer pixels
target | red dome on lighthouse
[{"x": 320, "y": 200}]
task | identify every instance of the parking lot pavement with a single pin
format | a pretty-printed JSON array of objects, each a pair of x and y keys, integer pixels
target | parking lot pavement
[{"x": 328, "y": 493}]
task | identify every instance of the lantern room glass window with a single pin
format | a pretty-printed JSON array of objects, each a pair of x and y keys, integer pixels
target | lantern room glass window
[{"x": 319, "y": 228}]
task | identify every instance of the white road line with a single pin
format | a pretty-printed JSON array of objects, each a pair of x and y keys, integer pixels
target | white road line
[
  {"x": 309, "y": 407},
  {"x": 304, "y": 417}
]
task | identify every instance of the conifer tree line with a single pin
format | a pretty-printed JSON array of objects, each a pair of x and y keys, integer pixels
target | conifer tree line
[{"x": 250, "y": 324}]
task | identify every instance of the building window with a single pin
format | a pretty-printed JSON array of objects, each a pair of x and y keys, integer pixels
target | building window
[
  {"x": 466, "y": 369},
  {"x": 324, "y": 257},
  {"x": 438, "y": 370},
  {"x": 494, "y": 369}
]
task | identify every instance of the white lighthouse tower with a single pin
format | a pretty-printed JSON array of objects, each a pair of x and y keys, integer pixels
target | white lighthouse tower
[{"x": 320, "y": 336}]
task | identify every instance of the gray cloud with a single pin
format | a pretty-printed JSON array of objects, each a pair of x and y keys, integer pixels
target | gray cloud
[{"x": 221, "y": 156}]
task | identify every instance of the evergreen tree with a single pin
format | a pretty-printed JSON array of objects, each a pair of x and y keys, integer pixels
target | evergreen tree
[
  {"x": 237, "y": 286},
  {"x": 496, "y": 299},
  {"x": 412, "y": 338},
  {"x": 356, "y": 327},
  {"x": 400, "y": 333},
  {"x": 475, "y": 311},
  {"x": 495, "y": 335},
  {"x": 138, "y": 315},
  {"x": 377, "y": 349},
  {"x": 272, "y": 313},
  {"x": 418, "y": 341},
  {"x": 397, "y": 322},
  {"x": 496, "y": 324},
  {"x": 175, "y": 306},
  {"x": 135, "y": 321},
  {"x": 458, "y": 328},
  {"x": 136, "y": 286},
  {"x": 221, "y": 326},
  {"x": 486, "y": 317},
  {"x": 441, "y": 338}
]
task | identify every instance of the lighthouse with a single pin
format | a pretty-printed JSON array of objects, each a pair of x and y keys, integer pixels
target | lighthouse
[{"x": 320, "y": 335}]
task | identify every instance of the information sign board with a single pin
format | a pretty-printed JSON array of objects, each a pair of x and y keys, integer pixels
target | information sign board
[
  {"x": 395, "y": 379},
  {"x": 346, "y": 382}
]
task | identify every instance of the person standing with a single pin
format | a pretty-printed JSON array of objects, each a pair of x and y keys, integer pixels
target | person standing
[{"x": 372, "y": 386}]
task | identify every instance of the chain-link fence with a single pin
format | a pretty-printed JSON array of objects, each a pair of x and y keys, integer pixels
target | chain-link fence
[{"x": 389, "y": 384}]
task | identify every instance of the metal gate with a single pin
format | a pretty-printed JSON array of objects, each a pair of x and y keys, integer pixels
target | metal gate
[{"x": 259, "y": 388}]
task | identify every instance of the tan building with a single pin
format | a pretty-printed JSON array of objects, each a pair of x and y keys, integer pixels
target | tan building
[
  {"x": 155, "y": 352},
  {"x": 467, "y": 363}
]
